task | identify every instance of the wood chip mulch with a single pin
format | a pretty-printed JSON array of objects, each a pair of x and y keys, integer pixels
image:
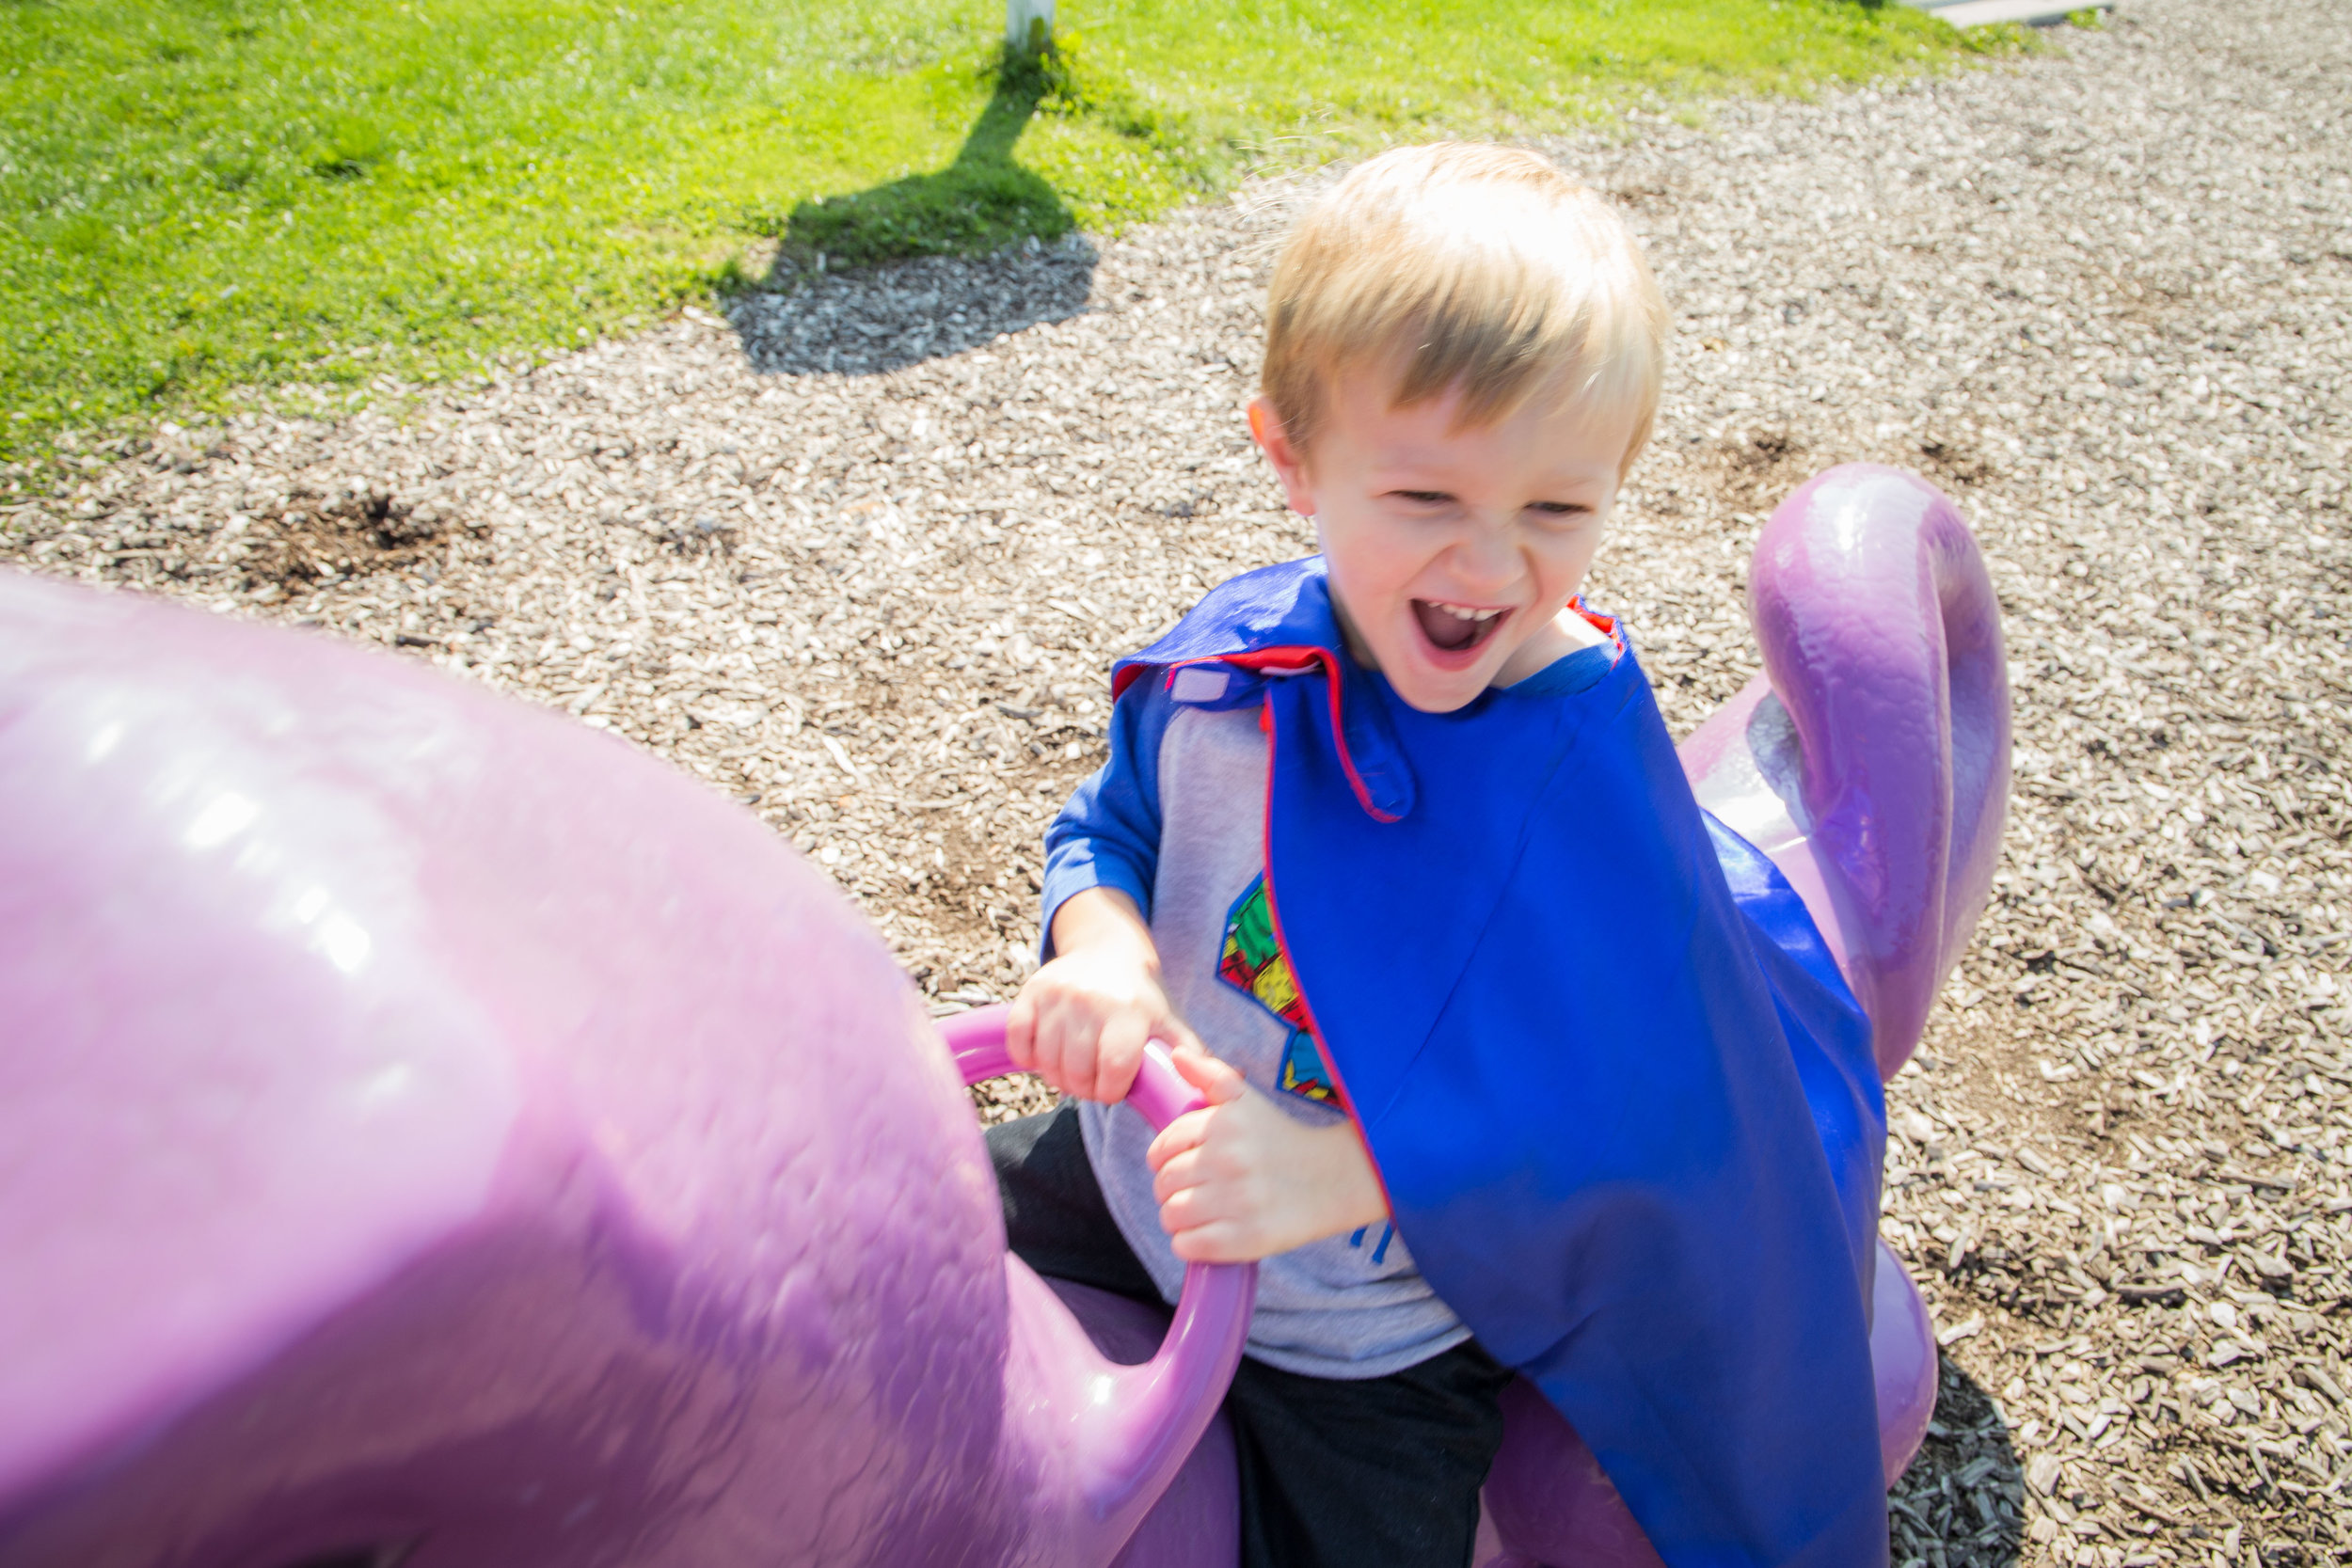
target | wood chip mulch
[{"x": 859, "y": 556}]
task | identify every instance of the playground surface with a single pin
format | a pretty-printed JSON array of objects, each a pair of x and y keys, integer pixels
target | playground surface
[{"x": 859, "y": 554}]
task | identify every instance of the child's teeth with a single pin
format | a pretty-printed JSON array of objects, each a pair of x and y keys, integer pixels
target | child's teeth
[{"x": 1461, "y": 613}]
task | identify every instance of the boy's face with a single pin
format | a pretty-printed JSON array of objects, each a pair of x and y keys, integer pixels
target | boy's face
[{"x": 1451, "y": 551}]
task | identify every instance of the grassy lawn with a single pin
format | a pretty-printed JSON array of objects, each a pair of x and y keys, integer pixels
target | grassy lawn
[{"x": 210, "y": 200}]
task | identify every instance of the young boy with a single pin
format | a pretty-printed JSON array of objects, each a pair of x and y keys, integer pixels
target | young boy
[{"x": 1393, "y": 848}]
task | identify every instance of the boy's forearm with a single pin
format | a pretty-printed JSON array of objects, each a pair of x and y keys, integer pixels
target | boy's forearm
[{"x": 1105, "y": 917}]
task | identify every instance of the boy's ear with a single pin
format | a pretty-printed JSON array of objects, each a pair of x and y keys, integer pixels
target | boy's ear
[{"x": 1290, "y": 467}]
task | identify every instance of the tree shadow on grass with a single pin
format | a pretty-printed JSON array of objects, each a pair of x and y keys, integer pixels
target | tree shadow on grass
[
  {"x": 1962, "y": 1504},
  {"x": 926, "y": 266}
]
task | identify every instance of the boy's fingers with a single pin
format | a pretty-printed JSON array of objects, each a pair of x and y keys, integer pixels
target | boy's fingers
[
  {"x": 1079, "y": 1051},
  {"x": 1021, "y": 1031},
  {"x": 1118, "y": 1056},
  {"x": 1189, "y": 1207},
  {"x": 1184, "y": 1134},
  {"x": 1217, "y": 1242},
  {"x": 1191, "y": 1170},
  {"x": 1215, "y": 1080},
  {"x": 1212, "y": 1178},
  {"x": 1181, "y": 1172},
  {"x": 1045, "y": 1042},
  {"x": 1186, "y": 1211}
]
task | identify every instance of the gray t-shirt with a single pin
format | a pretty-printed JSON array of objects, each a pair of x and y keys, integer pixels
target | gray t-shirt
[{"x": 1348, "y": 1306}]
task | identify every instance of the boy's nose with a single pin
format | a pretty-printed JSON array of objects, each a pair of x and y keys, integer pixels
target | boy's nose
[{"x": 1485, "y": 562}]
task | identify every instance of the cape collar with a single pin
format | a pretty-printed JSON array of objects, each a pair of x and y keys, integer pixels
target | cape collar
[{"x": 1277, "y": 622}]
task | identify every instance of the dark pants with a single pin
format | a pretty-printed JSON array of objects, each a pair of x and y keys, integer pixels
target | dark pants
[{"x": 1380, "y": 1472}]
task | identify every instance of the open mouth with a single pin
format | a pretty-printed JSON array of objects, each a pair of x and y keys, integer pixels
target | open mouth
[{"x": 1454, "y": 629}]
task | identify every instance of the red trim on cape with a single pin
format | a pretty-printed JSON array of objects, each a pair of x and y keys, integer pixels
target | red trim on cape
[
  {"x": 1306, "y": 1008},
  {"x": 1277, "y": 661}
]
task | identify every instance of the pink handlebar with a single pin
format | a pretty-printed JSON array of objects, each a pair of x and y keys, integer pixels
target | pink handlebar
[
  {"x": 977, "y": 1039},
  {"x": 1158, "y": 1410}
]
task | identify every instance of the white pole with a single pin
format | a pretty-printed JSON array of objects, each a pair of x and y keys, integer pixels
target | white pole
[{"x": 1028, "y": 26}]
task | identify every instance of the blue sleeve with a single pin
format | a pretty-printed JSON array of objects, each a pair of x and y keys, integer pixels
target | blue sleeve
[{"x": 1108, "y": 834}]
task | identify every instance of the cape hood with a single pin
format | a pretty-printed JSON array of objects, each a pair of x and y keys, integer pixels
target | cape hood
[{"x": 1622, "y": 1101}]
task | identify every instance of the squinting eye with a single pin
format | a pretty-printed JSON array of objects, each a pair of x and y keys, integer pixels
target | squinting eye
[
  {"x": 1423, "y": 497},
  {"x": 1560, "y": 509}
]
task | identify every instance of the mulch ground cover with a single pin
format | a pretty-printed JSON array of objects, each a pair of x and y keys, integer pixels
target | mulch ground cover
[{"x": 859, "y": 555}]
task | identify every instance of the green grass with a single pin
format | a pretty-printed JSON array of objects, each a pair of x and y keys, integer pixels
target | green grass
[{"x": 210, "y": 201}]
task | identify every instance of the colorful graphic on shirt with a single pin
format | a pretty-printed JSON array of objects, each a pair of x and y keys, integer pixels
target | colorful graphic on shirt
[{"x": 1253, "y": 962}]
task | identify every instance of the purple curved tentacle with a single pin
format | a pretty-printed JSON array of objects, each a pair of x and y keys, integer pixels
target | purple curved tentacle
[
  {"x": 1881, "y": 636},
  {"x": 1139, "y": 1422},
  {"x": 1871, "y": 761}
]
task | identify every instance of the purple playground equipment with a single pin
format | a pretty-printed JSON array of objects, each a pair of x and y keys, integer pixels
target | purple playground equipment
[{"x": 437, "y": 1133}]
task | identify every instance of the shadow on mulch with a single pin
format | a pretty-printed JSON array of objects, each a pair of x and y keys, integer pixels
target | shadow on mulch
[
  {"x": 1963, "y": 1502},
  {"x": 923, "y": 266}
]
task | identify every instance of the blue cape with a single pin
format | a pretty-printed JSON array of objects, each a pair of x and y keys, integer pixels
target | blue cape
[{"x": 1622, "y": 1101}]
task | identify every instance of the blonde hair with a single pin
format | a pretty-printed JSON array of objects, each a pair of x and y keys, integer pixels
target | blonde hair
[{"x": 1484, "y": 268}]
